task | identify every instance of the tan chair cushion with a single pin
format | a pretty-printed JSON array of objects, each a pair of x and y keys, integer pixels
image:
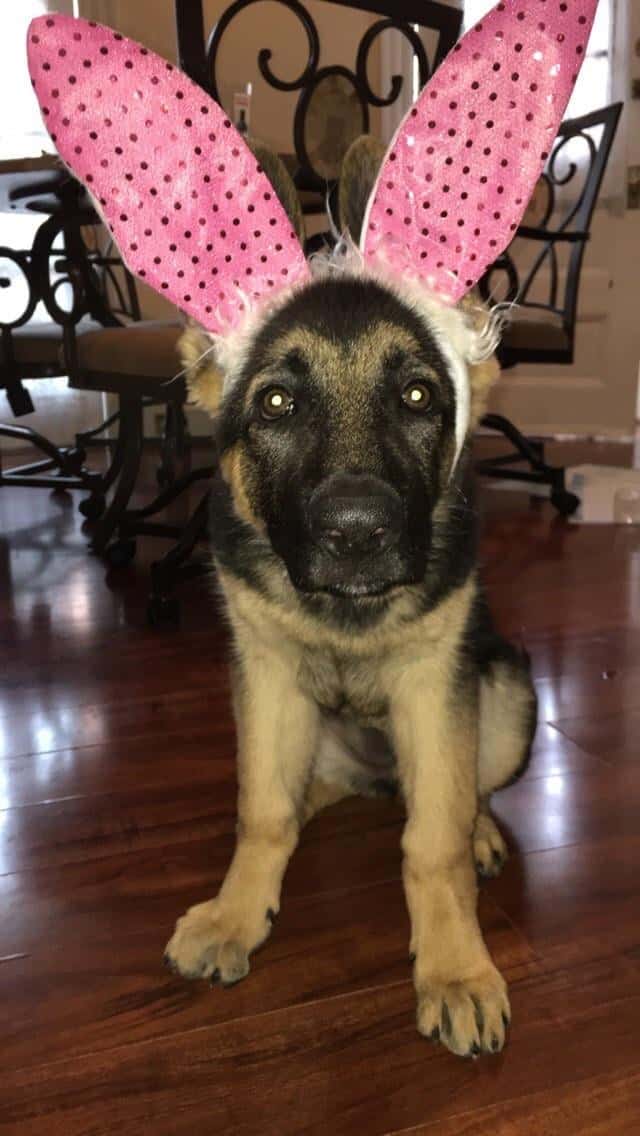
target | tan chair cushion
[
  {"x": 147, "y": 349},
  {"x": 39, "y": 344},
  {"x": 538, "y": 332}
]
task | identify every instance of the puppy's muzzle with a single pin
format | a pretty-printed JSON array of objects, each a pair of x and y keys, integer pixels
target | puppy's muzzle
[{"x": 355, "y": 516}]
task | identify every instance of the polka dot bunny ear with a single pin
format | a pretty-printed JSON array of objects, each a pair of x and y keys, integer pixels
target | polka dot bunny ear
[
  {"x": 189, "y": 206},
  {"x": 461, "y": 169}
]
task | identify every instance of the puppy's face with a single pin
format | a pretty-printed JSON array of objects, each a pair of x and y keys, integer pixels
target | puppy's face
[{"x": 338, "y": 438}]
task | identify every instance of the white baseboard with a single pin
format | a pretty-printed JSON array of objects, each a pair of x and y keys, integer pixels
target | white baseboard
[{"x": 581, "y": 432}]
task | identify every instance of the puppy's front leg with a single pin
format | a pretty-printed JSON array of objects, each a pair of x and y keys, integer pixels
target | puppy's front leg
[
  {"x": 277, "y": 731},
  {"x": 462, "y": 998}
]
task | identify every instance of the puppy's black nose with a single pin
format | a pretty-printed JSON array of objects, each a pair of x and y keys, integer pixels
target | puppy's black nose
[{"x": 355, "y": 515}]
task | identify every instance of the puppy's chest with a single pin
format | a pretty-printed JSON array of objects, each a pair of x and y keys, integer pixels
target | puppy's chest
[{"x": 352, "y": 687}]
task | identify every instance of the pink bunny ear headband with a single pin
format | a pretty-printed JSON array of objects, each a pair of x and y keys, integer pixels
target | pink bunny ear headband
[{"x": 195, "y": 216}]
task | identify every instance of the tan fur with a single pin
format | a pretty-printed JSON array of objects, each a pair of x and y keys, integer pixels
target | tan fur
[
  {"x": 204, "y": 380},
  {"x": 484, "y": 375},
  {"x": 403, "y": 678},
  {"x": 282, "y": 182},
  {"x": 311, "y": 699},
  {"x": 277, "y": 730},
  {"x": 435, "y": 740},
  {"x": 358, "y": 174},
  {"x": 507, "y": 703},
  {"x": 231, "y": 466}
]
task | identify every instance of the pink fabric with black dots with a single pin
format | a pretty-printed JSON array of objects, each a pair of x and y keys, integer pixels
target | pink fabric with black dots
[
  {"x": 191, "y": 211},
  {"x": 460, "y": 171}
]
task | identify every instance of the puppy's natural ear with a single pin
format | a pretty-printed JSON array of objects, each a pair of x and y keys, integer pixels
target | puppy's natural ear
[
  {"x": 357, "y": 178},
  {"x": 204, "y": 380},
  {"x": 482, "y": 377},
  {"x": 282, "y": 182}
]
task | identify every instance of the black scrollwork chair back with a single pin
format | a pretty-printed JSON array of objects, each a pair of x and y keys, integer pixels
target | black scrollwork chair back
[
  {"x": 72, "y": 278},
  {"x": 335, "y": 102},
  {"x": 543, "y": 330},
  {"x": 69, "y": 281},
  {"x": 546, "y": 285}
]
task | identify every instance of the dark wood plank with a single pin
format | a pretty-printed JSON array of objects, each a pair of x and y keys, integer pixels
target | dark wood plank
[
  {"x": 566, "y": 808},
  {"x": 117, "y": 810},
  {"x": 615, "y": 737},
  {"x": 201, "y": 754},
  {"x": 593, "y": 654},
  {"x": 354, "y": 845},
  {"x": 348, "y": 1064},
  {"x": 41, "y": 725},
  {"x": 554, "y": 753},
  {"x": 573, "y": 694},
  {"x": 97, "y": 981},
  {"x": 86, "y": 803},
  {"x": 604, "y": 1106},
  {"x": 575, "y": 903}
]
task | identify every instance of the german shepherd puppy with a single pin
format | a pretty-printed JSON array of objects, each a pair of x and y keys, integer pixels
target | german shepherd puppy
[{"x": 344, "y": 540}]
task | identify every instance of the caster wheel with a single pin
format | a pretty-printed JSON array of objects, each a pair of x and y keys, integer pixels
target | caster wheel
[
  {"x": 164, "y": 477},
  {"x": 74, "y": 460},
  {"x": 566, "y": 503},
  {"x": 92, "y": 507},
  {"x": 163, "y": 610},
  {"x": 121, "y": 553}
]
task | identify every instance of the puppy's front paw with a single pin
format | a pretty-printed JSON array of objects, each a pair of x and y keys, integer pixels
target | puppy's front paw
[
  {"x": 469, "y": 1016},
  {"x": 214, "y": 941}
]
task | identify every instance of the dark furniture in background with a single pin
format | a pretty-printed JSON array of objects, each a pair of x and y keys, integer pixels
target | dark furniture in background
[
  {"x": 140, "y": 365},
  {"x": 31, "y": 346},
  {"x": 95, "y": 336},
  {"x": 331, "y": 89},
  {"x": 544, "y": 331}
]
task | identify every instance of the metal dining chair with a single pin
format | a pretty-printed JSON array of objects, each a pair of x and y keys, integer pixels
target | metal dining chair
[
  {"x": 334, "y": 102},
  {"x": 32, "y": 330},
  {"x": 544, "y": 330}
]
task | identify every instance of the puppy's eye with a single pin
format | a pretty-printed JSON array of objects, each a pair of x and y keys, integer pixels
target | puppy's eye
[
  {"x": 275, "y": 403},
  {"x": 417, "y": 396}
]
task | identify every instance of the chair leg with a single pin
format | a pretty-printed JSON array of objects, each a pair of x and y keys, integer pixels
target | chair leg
[
  {"x": 174, "y": 566},
  {"x": 175, "y": 445},
  {"x": 66, "y": 461},
  {"x": 91, "y": 435},
  {"x": 93, "y": 507},
  {"x": 126, "y": 464},
  {"x": 531, "y": 451},
  {"x": 174, "y": 490}
]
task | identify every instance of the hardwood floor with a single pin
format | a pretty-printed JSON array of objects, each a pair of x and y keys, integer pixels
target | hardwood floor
[{"x": 117, "y": 811}]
